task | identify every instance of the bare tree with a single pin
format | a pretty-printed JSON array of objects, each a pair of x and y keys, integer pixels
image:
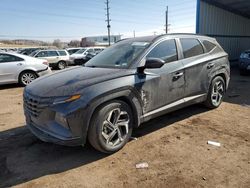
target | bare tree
[
  {"x": 57, "y": 43},
  {"x": 74, "y": 43}
]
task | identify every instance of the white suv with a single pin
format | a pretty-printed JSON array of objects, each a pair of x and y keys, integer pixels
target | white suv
[{"x": 56, "y": 58}]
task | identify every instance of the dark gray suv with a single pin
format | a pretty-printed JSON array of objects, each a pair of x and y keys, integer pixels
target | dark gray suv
[{"x": 127, "y": 84}]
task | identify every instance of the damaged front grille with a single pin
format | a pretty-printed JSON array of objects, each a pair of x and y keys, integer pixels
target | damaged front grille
[{"x": 34, "y": 105}]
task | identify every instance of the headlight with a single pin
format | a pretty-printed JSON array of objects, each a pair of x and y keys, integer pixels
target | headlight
[{"x": 68, "y": 99}]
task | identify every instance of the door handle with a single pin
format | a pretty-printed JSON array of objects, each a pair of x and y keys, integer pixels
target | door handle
[
  {"x": 178, "y": 75},
  {"x": 210, "y": 65},
  {"x": 19, "y": 64}
]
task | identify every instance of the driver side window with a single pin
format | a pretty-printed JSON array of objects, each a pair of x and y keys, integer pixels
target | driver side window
[
  {"x": 165, "y": 50},
  {"x": 42, "y": 54}
]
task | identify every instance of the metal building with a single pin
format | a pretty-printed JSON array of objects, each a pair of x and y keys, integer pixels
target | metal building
[
  {"x": 226, "y": 20},
  {"x": 99, "y": 40}
]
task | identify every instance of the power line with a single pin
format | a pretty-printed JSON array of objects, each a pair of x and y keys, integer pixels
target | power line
[{"x": 78, "y": 17}]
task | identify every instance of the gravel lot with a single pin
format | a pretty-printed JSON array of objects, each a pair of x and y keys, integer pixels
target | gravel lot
[{"x": 175, "y": 147}]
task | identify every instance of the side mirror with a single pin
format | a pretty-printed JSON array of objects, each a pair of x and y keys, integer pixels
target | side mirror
[
  {"x": 151, "y": 63},
  {"x": 154, "y": 63}
]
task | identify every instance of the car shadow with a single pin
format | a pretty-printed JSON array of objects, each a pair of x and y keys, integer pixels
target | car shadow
[
  {"x": 9, "y": 86},
  {"x": 239, "y": 88},
  {"x": 23, "y": 157}
]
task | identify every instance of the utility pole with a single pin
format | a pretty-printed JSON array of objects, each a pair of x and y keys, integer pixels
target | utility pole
[
  {"x": 167, "y": 20},
  {"x": 108, "y": 19},
  {"x": 134, "y": 33}
]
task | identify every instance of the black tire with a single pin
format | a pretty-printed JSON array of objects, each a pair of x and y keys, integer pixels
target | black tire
[
  {"x": 217, "y": 86},
  {"x": 98, "y": 129},
  {"x": 27, "y": 77},
  {"x": 61, "y": 65}
]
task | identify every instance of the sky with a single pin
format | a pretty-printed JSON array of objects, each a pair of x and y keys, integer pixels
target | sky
[{"x": 73, "y": 19}]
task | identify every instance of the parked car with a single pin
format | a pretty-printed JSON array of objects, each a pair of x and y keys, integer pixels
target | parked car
[
  {"x": 73, "y": 50},
  {"x": 127, "y": 84},
  {"x": 244, "y": 62},
  {"x": 28, "y": 51},
  {"x": 17, "y": 68},
  {"x": 79, "y": 57},
  {"x": 86, "y": 58},
  {"x": 56, "y": 58}
]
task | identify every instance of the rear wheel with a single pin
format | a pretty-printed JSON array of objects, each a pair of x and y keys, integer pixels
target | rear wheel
[
  {"x": 27, "y": 77},
  {"x": 111, "y": 127},
  {"x": 216, "y": 92},
  {"x": 61, "y": 65}
]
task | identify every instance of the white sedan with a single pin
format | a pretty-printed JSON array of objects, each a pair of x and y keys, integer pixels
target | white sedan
[{"x": 17, "y": 68}]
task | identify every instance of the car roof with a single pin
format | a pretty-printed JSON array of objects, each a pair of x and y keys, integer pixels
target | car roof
[
  {"x": 74, "y": 48},
  {"x": 94, "y": 47},
  {"x": 153, "y": 38},
  {"x": 17, "y": 54},
  {"x": 51, "y": 50}
]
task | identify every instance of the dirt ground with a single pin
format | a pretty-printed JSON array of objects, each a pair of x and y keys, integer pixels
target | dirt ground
[{"x": 175, "y": 147}]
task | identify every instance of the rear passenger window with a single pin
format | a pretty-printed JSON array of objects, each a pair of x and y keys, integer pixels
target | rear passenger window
[
  {"x": 62, "y": 53},
  {"x": 166, "y": 51},
  {"x": 191, "y": 47},
  {"x": 52, "y": 53},
  {"x": 208, "y": 45}
]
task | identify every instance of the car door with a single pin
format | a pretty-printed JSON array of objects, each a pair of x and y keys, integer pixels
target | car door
[
  {"x": 10, "y": 67},
  {"x": 164, "y": 85},
  {"x": 53, "y": 56},
  {"x": 42, "y": 55},
  {"x": 195, "y": 69}
]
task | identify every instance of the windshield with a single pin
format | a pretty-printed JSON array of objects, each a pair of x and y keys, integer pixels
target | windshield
[
  {"x": 81, "y": 51},
  {"x": 34, "y": 53},
  {"x": 120, "y": 55}
]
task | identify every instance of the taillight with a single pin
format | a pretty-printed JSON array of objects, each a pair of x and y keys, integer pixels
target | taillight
[{"x": 46, "y": 63}]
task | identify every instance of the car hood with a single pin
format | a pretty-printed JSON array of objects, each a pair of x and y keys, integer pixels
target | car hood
[{"x": 73, "y": 80}]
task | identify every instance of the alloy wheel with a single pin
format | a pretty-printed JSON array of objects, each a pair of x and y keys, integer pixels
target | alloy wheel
[
  {"x": 217, "y": 93},
  {"x": 61, "y": 65},
  {"x": 115, "y": 127},
  {"x": 27, "y": 78}
]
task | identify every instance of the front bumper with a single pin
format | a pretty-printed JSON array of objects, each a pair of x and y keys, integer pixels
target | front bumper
[
  {"x": 42, "y": 122},
  {"x": 47, "y": 137},
  {"x": 44, "y": 72}
]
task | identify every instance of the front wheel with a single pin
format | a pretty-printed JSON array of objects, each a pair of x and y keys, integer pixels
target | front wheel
[
  {"x": 216, "y": 92},
  {"x": 111, "y": 127}
]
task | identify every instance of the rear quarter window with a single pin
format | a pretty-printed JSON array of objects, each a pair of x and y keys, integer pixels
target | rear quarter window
[
  {"x": 208, "y": 45},
  {"x": 62, "y": 53},
  {"x": 191, "y": 47}
]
